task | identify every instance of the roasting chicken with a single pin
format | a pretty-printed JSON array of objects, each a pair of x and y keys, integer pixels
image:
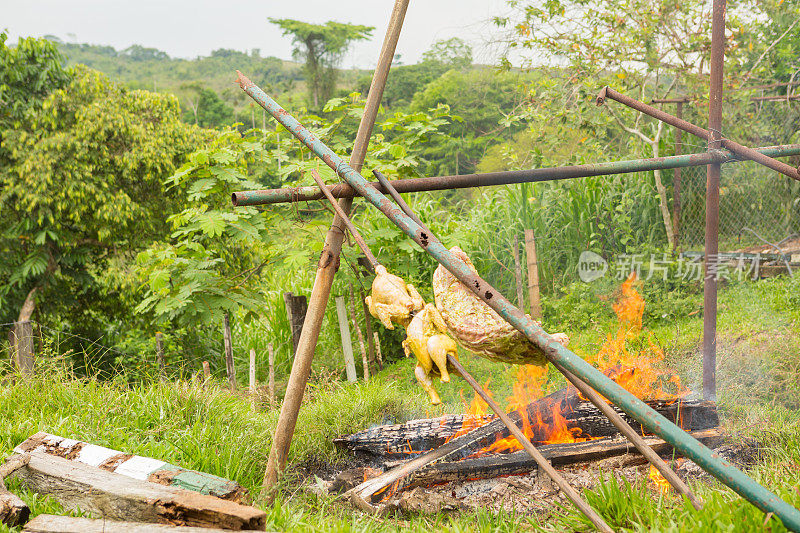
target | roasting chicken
[
  {"x": 392, "y": 300},
  {"x": 478, "y": 327},
  {"x": 426, "y": 338}
]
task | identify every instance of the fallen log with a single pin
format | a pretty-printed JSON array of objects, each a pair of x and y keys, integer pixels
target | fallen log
[
  {"x": 117, "y": 497},
  {"x": 47, "y": 523},
  {"x": 418, "y": 436},
  {"x": 13, "y": 511},
  {"x": 134, "y": 466}
]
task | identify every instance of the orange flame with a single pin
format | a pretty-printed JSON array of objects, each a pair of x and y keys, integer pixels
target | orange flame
[
  {"x": 631, "y": 368},
  {"x": 661, "y": 484}
]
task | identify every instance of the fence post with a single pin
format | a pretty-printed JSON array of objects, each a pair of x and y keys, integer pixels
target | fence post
[
  {"x": 21, "y": 340},
  {"x": 252, "y": 384},
  {"x": 206, "y": 372},
  {"x": 354, "y": 318},
  {"x": 533, "y": 275},
  {"x": 271, "y": 383},
  {"x": 296, "y": 307},
  {"x": 347, "y": 343},
  {"x": 229, "y": 368},
  {"x": 518, "y": 272},
  {"x": 160, "y": 354}
]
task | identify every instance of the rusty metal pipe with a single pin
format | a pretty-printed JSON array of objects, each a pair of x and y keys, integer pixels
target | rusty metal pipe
[
  {"x": 439, "y": 183},
  {"x": 759, "y": 496},
  {"x": 713, "y": 175},
  {"x": 738, "y": 149}
]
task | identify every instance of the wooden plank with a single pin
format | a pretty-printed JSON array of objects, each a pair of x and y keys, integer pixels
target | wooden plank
[
  {"x": 47, "y": 523},
  {"x": 133, "y": 466},
  {"x": 13, "y": 511},
  {"x": 533, "y": 275},
  {"x": 113, "y": 496},
  {"x": 347, "y": 343}
]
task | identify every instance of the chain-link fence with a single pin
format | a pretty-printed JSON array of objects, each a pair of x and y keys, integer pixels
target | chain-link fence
[{"x": 757, "y": 205}]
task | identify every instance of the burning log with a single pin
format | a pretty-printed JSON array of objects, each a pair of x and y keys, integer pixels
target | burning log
[{"x": 582, "y": 420}]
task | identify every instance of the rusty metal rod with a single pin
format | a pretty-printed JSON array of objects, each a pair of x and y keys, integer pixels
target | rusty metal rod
[
  {"x": 713, "y": 175},
  {"x": 748, "y": 153},
  {"x": 543, "y": 463},
  {"x": 438, "y": 183},
  {"x": 585, "y": 389},
  {"x": 690, "y": 447},
  {"x": 327, "y": 267},
  {"x": 346, "y": 219}
]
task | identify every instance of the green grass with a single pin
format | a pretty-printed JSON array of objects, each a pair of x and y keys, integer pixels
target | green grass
[{"x": 211, "y": 430}]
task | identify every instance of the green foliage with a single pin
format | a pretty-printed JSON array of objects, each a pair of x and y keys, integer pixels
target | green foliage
[
  {"x": 454, "y": 53},
  {"x": 83, "y": 187},
  {"x": 321, "y": 47},
  {"x": 29, "y": 72},
  {"x": 207, "y": 109}
]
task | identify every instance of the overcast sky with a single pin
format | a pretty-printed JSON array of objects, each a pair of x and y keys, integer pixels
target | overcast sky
[{"x": 189, "y": 28}]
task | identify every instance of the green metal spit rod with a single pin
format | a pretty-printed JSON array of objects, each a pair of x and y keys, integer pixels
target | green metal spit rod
[{"x": 764, "y": 499}]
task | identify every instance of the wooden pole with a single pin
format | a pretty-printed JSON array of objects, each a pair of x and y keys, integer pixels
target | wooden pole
[
  {"x": 206, "y": 371},
  {"x": 296, "y": 309},
  {"x": 353, "y": 316},
  {"x": 533, "y": 275},
  {"x": 518, "y": 272},
  {"x": 347, "y": 343},
  {"x": 378, "y": 349},
  {"x": 21, "y": 339},
  {"x": 160, "y": 354},
  {"x": 252, "y": 387},
  {"x": 229, "y": 368},
  {"x": 368, "y": 327},
  {"x": 271, "y": 383},
  {"x": 543, "y": 463},
  {"x": 328, "y": 263}
]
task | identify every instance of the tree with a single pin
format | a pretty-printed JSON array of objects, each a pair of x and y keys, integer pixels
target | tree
[
  {"x": 206, "y": 108},
  {"x": 453, "y": 53},
  {"x": 84, "y": 187},
  {"x": 321, "y": 47},
  {"x": 655, "y": 48}
]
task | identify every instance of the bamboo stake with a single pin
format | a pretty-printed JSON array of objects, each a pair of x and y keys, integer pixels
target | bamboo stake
[
  {"x": 518, "y": 272},
  {"x": 347, "y": 342},
  {"x": 252, "y": 387},
  {"x": 533, "y": 275},
  {"x": 353, "y": 318},
  {"x": 229, "y": 368},
  {"x": 329, "y": 261},
  {"x": 543, "y": 463},
  {"x": 160, "y": 354},
  {"x": 378, "y": 353},
  {"x": 271, "y": 383},
  {"x": 368, "y": 333}
]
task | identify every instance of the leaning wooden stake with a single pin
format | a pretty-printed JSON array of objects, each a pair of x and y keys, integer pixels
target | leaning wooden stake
[
  {"x": 378, "y": 353},
  {"x": 328, "y": 263},
  {"x": 637, "y": 440},
  {"x": 229, "y": 368},
  {"x": 543, "y": 463},
  {"x": 160, "y": 354}
]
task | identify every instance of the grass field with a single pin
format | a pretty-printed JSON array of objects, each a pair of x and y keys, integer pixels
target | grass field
[{"x": 211, "y": 430}]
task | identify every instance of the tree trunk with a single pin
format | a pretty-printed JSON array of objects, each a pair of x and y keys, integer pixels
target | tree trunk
[{"x": 663, "y": 203}]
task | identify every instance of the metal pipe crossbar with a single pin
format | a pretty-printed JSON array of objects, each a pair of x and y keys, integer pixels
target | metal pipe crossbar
[
  {"x": 439, "y": 183},
  {"x": 562, "y": 357}
]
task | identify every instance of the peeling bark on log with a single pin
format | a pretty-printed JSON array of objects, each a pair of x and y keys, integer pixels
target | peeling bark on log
[
  {"x": 417, "y": 436},
  {"x": 117, "y": 497},
  {"x": 47, "y": 523}
]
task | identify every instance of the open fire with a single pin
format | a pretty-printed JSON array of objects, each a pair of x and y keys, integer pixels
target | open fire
[{"x": 626, "y": 357}]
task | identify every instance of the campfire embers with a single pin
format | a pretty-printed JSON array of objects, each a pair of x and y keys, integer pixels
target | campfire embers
[{"x": 564, "y": 425}]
